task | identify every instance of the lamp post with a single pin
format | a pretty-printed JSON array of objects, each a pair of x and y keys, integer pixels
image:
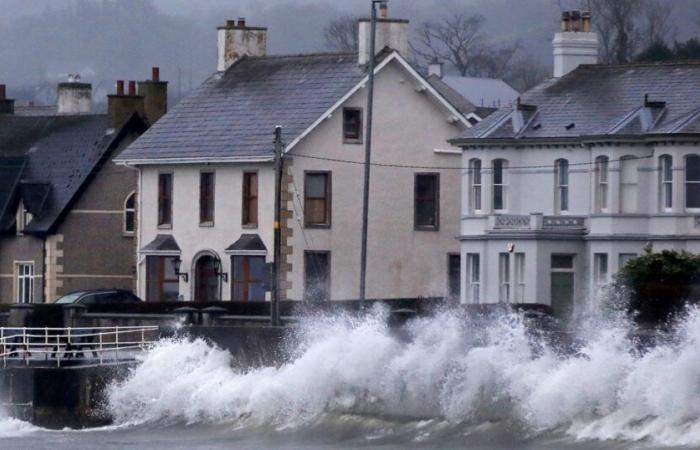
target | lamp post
[{"x": 177, "y": 262}]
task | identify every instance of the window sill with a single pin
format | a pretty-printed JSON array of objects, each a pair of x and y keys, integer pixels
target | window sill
[
  {"x": 168, "y": 226},
  {"x": 250, "y": 226},
  {"x": 425, "y": 228},
  {"x": 352, "y": 141},
  {"x": 206, "y": 225},
  {"x": 128, "y": 235},
  {"x": 312, "y": 226}
]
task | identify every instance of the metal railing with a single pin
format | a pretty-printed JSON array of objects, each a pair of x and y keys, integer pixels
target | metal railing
[{"x": 95, "y": 345}]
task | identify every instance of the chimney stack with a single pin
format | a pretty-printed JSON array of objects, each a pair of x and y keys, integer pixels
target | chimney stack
[
  {"x": 392, "y": 33},
  {"x": 7, "y": 105},
  {"x": 236, "y": 40},
  {"x": 74, "y": 97},
  {"x": 575, "y": 44},
  {"x": 121, "y": 107},
  {"x": 435, "y": 68},
  {"x": 155, "y": 95}
]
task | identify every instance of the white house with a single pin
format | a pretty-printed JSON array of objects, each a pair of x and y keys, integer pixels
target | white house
[
  {"x": 207, "y": 180},
  {"x": 583, "y": 173}
]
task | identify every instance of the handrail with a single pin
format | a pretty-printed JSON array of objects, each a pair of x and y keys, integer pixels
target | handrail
[{"x": 56, "y": 344}]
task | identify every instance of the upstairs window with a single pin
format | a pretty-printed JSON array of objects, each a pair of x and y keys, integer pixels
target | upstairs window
[
  {"x": 317, "y": 199},
  {"x": 165, "y": 199},
  {"x": 629, "y": 170},
  {"x": 206, "y": 198},
  {"x": 692, "y": 182},
  {"x": 500, "y": 184},
  {"x": 250, "y": 199},
  {"x": 25, "y": 282},
  {"x": 352, "y": 125},
  {"x": 601, "y": 182},
  {"x": 130, "y": 214},
  {"x": 475, "y": 185},
  {"x": 666, "y": 182},
  {"x": 427, "y": 201},
  {"x": 561, "y": 167}
]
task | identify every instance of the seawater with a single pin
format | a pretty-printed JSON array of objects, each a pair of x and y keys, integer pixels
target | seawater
[{"x": 450, "y": 383}]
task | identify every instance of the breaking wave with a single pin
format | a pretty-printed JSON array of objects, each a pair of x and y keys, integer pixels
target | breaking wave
[
  {"x": 11, "y": 427},
  {"x": 446, "y": 370}
]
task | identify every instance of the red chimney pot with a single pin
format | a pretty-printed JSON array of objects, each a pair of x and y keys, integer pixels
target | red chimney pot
[
  {"x": 241, "y": 22},
  {"x": 155, "y": 74},
  {"x": 132, "y": 88},
  {"x": 120, "y": 87}
]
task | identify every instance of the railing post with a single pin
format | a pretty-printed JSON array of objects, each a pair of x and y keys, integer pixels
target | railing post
[
  {"x": 100, "y": 335},
  {"x": 4, "y": 348},
  {"x": 46, "y": 342},
  {"x": 116, "y": 346},
  {"x": 58, "y": 349},
  {"x": 24, "y": 344}
]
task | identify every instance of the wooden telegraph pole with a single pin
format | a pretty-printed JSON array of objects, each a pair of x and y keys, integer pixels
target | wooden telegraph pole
[{"x": 277, "y": 276}]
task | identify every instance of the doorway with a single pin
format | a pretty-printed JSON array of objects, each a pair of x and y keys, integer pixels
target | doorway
[
  {"x": 562, "y": 286},
  {"x": 206, "y": 288}
]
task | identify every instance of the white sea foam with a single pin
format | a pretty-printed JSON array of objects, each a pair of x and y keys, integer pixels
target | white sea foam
[
  {"x": 449, "y": 370},
  {"x": 10, "y": 427}
]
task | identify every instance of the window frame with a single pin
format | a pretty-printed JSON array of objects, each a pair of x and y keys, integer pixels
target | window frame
[
  {"x": 129, "y": 210},
  {"x": 519, "y": 277},
  {"x": 476, "y": 186},
  {"x": 359, "y": 138},
  {"x": 20, "y": 292},
  {"x": 161, "y": 279},
  {"x": 504, "y": 278},
  {"x": 327, "y": 253},
  {"x": 601, "y": 269},
  {"x": 502, "y": 186},
  {"x": 248, "y": 199},
  {"x": 208, "y": 201},
  {"x": 665, "y": 185},
  {"x": 602, "y": 184},
  {"x": 436, "y": 199},
  {"x": 247, "y": 280},
  {"x": 626, "y": 185},
  {"x": 561, "y": 191},
  {"x": 687, "y": 183},
  {"x": 473, "y": 278},
  {"x": 328, "y": 199},
  {"x": 163, "y": 224}
]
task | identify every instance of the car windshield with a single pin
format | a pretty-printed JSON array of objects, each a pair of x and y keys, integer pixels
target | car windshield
[{"x": 70, "y": 298}]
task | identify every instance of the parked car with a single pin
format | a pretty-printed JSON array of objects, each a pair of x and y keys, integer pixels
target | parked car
[{"x": 99, "y": 297}]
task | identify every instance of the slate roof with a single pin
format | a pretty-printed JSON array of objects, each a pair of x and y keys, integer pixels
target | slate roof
[
  {"x": 162, "y": 243},
  {"x": 483, "y": 92},
  {"x": 234, "y": 113},
  {"x": 49, "y": 158},
  {"x": 247, "y": 243},
  {"x": 604, "y": 100}
]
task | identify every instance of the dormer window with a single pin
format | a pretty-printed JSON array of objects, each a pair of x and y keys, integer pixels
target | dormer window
[
  {"x": 352, "y": 125},
  {"x": 23, "y": 218}
]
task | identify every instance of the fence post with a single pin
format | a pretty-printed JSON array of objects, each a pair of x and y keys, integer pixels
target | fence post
[{"x": 116, "y": 342}]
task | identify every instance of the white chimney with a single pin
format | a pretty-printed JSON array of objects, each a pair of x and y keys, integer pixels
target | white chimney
[
  {"x": 237, "y": 40},
  {"x": 575, "y": 44},
  {"x": 435, "y": 68},
  {"x": 392, "y": 33},
  {"x": 74, "y": 97}
]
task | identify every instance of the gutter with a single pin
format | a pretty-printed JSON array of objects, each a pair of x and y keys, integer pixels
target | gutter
[
  {"x": 193, "y": 160},
  {"x": 581, "y": 140}
]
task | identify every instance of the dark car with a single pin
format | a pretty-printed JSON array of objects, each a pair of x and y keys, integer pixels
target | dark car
[{"x": 99, "y": 297}]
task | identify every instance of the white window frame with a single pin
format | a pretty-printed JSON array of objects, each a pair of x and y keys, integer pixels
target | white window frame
[
  {"x": 629, "y": 187},
  {"x": 504, "y": 278},
  {"x": 602, "y": 187},
  {"x": 623, "y": 258},
  {"x": 128, "y": 210},
  {"x": 561, "y": 192},
  {"x": 666, "y": 183},
  {"x": 24, "y": 282},
  {"x": 473, "y": 282},
  {"x": 519, "y": 274},
  {"x": 690, "y": 182},
  {"x": 22, "y": 219},
  {"x": 475, "y": 185},
  {"x": 601, "y": 269},
  {"x": 500, "y": 165}
]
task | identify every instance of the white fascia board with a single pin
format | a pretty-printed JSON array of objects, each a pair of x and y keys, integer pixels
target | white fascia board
[
  {"x": 246, "y": 252},
  {"x": 165, "y": 161},
  {"x": 394, "y": 56}
]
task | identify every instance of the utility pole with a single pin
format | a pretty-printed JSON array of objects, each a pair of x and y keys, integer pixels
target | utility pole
[
  {"x": 276, "y": 283},
  {"x": 368, "y": 150}
]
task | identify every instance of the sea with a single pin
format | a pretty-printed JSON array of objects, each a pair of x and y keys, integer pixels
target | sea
[{"x": 444, "y": 382}]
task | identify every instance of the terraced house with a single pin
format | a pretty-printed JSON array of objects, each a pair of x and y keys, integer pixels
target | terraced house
[
  {"x": 582, "y": 174},
  {"x": 67, "y": 213},
  {"x": 207, "y": 178}
]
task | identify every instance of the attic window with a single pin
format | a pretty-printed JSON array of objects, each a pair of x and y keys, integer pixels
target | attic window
[
  {"x": 537, "y": 126},
  {"x": 570, "y": 126},
  {"x": 23, "y": 218},
  {"x": 352, "y": 125}
]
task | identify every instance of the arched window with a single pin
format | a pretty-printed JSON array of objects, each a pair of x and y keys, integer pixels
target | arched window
[
  {"x": 629, "y": 174},
  {"x": 692, "y": 182},
  {"x": 666, "y": 182},
  {"x": 561, "y": 180},
  {"x": 500, "y": 184},
  {"x": 130, "y": 214},
  {"x": 601, "y": 183},
  {"x": 475, "y": 185}
]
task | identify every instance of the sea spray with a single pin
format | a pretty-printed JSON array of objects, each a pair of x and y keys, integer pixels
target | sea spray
[{"x": 448, "y": 369}]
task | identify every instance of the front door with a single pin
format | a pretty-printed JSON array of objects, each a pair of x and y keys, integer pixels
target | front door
[
  {"x": 206, "y": 280},
  {"x": 562, "y": 285}
]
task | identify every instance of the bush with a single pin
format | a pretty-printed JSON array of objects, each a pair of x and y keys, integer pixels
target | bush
[{"x": 660, "y": 285}]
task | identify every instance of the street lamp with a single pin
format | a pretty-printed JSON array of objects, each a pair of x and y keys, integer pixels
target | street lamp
[{"x": 177, "y": 262}]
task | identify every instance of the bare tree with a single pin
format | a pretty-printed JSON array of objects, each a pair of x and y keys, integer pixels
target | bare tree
[
  {"x": 459, "y": 41},
  {"x": 657, "y": 19},
  {"x": 341, "y": 34},
  {"x": 526, "y": 72}
]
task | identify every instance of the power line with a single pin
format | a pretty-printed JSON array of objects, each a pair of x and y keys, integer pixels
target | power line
[{"x": 410, "y": 166}]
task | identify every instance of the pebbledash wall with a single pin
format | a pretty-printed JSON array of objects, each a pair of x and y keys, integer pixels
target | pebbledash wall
[{"x": 531, "y": 224}]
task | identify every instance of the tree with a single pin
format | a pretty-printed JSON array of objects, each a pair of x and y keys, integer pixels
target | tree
[
  {"x": 660, "y": 51},
  {"x": 459, "y": 41},
  {"x": 341, "y": 34},
  {"x": 660, "y": 284}
]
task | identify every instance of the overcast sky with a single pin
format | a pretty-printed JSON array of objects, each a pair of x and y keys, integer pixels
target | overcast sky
[{"x": 104, "y": 40}]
